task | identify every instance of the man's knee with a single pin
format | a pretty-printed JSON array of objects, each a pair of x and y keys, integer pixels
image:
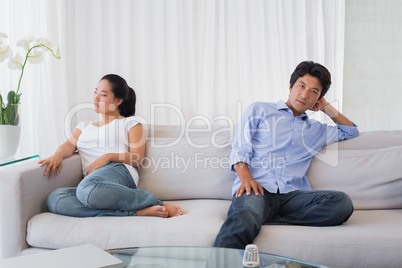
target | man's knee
[
  {"x": 249, "y": 208},
  {"x": 346, "y": 206},
  {"x": 250, "y": 202},
  {"x": 342, "y": 207}
]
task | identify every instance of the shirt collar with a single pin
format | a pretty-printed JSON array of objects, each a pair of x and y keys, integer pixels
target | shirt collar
[{"x": 281, "y": 105}]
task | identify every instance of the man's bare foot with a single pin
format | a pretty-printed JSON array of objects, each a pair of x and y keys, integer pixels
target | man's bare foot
[
  {"x": 173, "y": 210},
  {"x": 155, "y": 211}
]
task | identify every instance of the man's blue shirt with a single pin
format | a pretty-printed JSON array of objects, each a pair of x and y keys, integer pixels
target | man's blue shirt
[{"x": 278, "y": 147}]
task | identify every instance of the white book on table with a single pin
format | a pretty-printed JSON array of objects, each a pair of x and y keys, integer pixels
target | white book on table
[{"x": 85, "y": 256}]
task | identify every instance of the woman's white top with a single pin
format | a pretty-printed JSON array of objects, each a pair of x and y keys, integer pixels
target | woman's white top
[{"x": 111, "y": 138}]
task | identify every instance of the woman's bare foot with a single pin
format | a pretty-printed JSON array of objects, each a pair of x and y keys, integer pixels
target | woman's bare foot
[
  {"x": 155, "y": 211},
  {"x": 173, "y": 210}
]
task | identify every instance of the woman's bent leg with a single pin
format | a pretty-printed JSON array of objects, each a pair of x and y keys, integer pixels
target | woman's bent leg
[
  {"x": 111, "y": 187},
  {"x": 64, "y": 201}
]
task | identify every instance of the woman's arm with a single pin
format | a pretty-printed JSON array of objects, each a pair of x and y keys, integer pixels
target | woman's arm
[
  {"x": 136, "y": 139},
  {"x": 55, "y": 162}
]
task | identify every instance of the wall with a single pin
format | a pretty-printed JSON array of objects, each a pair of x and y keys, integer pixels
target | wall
[{"x": 373, "y": 64}]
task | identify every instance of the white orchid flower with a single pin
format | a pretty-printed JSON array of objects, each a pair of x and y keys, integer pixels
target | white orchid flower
[
  {"x": 5, "y": 52},
  {"x": 2, "y": 37},
  {"x": 34, "y": 53},
  {"x": 15, "y": 63},
  {"x": 56, "y": 51},
  {"x": 24, "y": 43},
  {"x": 36, "y": 56},
  {"x": 46, "y": 44},
  {"x": 43, "y": 41}
]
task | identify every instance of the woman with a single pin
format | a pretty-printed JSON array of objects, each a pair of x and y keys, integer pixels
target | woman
[{"x": 110, "y": 150}]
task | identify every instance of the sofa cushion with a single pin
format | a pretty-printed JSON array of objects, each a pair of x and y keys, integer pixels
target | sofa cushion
[
  {"x": 370, "y": 238},
  {"x": 198, "y": 226},
  {"x": 191, "y": 166},
  {"x": 368, "y": 168},
  {"x": 367, "y": 233}
]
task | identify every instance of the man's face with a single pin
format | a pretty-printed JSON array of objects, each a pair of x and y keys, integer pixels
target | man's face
[{"x": 304, "y": 94}]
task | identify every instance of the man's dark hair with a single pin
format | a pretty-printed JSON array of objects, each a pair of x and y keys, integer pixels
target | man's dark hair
[{"x": 315, "y": 70}]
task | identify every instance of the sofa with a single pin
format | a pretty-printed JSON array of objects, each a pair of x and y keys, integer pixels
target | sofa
[{"x": 189, "y": 166}]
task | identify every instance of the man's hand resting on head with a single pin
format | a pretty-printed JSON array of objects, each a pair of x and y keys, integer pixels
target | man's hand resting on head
[
  {"x": 320, "y": 105},
  {"x": 325, "y": 107}
]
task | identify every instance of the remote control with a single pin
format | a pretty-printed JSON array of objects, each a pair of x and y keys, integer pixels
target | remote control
[{"x": 251, "y": 257}]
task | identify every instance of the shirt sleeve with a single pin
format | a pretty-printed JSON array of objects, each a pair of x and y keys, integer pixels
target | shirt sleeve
[
  {"x": 340, "y": 133},
  {"x": 242, "y": 150},
  {"x": 130, "y": 123},
  {"x": 83, "y": 125}
]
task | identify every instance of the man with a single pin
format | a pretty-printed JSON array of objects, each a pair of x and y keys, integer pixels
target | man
[{"x": 272, "y": 150}]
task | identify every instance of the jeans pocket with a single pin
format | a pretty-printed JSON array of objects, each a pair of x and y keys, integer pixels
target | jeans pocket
[{"x": 116, "y": 164}]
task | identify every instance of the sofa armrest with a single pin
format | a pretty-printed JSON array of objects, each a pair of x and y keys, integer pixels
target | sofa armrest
[{"x": 23, "y": 193}]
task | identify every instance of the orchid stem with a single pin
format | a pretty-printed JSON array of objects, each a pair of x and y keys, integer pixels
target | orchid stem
[{"x": 25, "y": 62}]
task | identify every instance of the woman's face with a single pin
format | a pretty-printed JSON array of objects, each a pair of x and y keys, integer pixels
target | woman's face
[{"x": 104, "y": 100}]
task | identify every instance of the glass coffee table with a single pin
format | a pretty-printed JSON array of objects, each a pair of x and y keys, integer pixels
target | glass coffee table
[{"x": 194, "y": 257}]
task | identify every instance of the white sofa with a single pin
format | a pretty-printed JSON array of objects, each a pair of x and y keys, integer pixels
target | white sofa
[{"x": 191, "y": 168}]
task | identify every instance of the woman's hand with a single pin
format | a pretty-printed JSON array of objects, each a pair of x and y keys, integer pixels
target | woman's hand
[
  {"x": 98, "y": 163},
  {"x": 54, "y": 163}
]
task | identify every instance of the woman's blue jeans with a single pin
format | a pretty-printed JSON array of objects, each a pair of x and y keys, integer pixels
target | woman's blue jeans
[
  {"x": 248, "y": 213},
  {"x": 107, "y": 191}
]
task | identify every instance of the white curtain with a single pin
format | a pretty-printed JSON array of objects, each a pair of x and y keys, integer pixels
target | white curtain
[
  {"x": 44, "y": 87},
  {"x": 189, "y": 61}
]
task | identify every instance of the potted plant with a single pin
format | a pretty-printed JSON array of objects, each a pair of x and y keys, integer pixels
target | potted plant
[{"x": 9, "y": 105}]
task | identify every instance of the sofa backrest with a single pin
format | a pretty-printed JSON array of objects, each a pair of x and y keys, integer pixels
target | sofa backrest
[
  {"x": 187, "y": 163},
  {"x": 193, "y": 163},
  {"x": 367, "y": 168}
]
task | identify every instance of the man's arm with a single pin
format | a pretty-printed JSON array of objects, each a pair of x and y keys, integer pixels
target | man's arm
[
  {"x": 247, "y": 181},
  {"x": 334, "y": 114}
]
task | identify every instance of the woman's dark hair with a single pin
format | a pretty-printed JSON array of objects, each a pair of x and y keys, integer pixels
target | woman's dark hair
[
  {"x": 121, "y": 90},
  {"x": 315, "y": 70}
]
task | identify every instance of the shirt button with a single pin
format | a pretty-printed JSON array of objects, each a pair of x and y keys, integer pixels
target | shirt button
[{"x": 293, "y": 143}]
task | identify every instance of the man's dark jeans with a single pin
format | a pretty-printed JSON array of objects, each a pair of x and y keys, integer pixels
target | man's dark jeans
[{"x": 311, "y": 208}]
